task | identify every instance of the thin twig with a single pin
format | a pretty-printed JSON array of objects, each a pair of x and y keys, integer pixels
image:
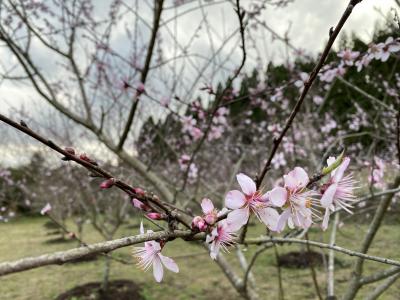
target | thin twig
[{"x": 307, "y": 86}]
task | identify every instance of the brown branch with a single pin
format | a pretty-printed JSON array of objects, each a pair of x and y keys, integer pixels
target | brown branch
[
  {"x": 216, "y": 105},
  {"x": 271, "y": 240},
  {"x": 61, "y": 257},
  {"x": 307, "y": 86},
  {"x": 156, "y": 25},
  {"x": 99, "y": 172}
]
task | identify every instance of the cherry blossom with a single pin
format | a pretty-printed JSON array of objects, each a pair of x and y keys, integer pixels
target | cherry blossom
[
  {"x": 210, "y": 215},
  {"x": 150, "y": 255},
  {"x": 348, "y": 56},
  {"x": 295, "y": 200},
  {"x": 303, "y": 79},
  {"x": 338, "y": 191},
  {"x": 247, "y": 201},
  {"x": 222, "y": 236}
]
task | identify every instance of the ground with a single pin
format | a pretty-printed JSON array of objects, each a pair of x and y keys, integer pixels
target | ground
[{"x": 199, "y": 278}]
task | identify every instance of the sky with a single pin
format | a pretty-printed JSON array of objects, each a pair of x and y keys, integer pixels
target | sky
[{"x": 306, "y": 23}]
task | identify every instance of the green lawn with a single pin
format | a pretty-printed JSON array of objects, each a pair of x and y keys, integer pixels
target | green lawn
[{"x": 199, "y": 277}]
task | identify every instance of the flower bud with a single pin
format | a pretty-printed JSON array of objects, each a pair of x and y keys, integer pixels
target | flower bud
[
  {"x": 139, "y": 191},
  {"x": 154, "y": 216},
  {"x": 139, "y": 204},
  {"x": 199, "y": 223},
  {"x": 107, "y": 183},
  {"x": 140, "y": 88}
]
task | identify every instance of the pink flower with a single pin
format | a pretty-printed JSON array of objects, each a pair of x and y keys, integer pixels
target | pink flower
[
  {"x": 348, "y": 56},
  {"x": 382, "y": 51},
  {"x": 295, "y": 200},
  {"x": 195, "y": 133},
  {"x": 363, "y": 62},
  {"x": 150, "y": 255},
  {"x": 223, "y": 235},
  {"x": 46, "y": 209},
  {"x": 249, "y": 200},
  {"x": 338, "y": 191},
  {"x": 215, "y": 133},
  {"x": 188, "y": 122},
  {"x": 303, "y": 79}
]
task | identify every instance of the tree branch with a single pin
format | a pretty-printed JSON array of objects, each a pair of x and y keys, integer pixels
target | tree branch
[
  {"x": 156, "y": 25},
  {"x": 307, "y": 86},
  {"x": 62, "y": 257}
]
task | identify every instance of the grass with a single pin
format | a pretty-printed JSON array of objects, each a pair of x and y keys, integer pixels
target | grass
[{"x": 199, "y": 277}]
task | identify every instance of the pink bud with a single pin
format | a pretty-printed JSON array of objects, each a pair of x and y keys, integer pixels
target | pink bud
[
  {"x": 140, "y": 205},
  {"x": 140, "y": 88},
  {"x": 154, "y": 216},
  {"x": 107, "y": 183},
  {"x": 199, "y": 223},
  {"x": 46, "y": 209},
  {"x": 138, "y": 191}
]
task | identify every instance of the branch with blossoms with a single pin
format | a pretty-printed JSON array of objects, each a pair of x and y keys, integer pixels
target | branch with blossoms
[
  {"x": 300, "y": 202},
  {"x": 299, "y": 205}
]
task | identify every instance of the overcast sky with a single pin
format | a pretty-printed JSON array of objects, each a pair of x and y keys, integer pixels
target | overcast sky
[{"x": 308, "y": 22}]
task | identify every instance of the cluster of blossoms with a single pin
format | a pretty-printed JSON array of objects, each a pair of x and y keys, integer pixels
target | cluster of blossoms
[
  {"x": 184, "y": 161},
  {"x": 349, "y": 58},
  {"x": 294, "y": 204},
  {"x": 193, "y": 126},
  {"x": 299, "y": 206}
]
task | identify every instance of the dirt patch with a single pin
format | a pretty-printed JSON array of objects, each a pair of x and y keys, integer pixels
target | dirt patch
[
  {"x": 118, "y": 290},
  {"x": 300, "y": 260}
]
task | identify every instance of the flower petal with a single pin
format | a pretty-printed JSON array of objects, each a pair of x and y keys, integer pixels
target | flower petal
[
  {"x": 296, "y": 179},
  {"x": 269, "y": 217},
  {"x": 158, "y": 270},
  {"x": 265, "y": 197},
  {"x": 214, "y": 249},
  {"x": 340, "y": 170},
  {"x": 237, "y": 218},
  {"x": 235, "y": 199},
  {"x": 169, "y": 263},
  {"x": 282, "y": 220},
  {"x": 207, "y": 206},
  {"x": 327, "y": 197},
  {"x": 325, "y": 221},
  {"x": 246, "y": 183},
  {"x": 278, "y": 196}
]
